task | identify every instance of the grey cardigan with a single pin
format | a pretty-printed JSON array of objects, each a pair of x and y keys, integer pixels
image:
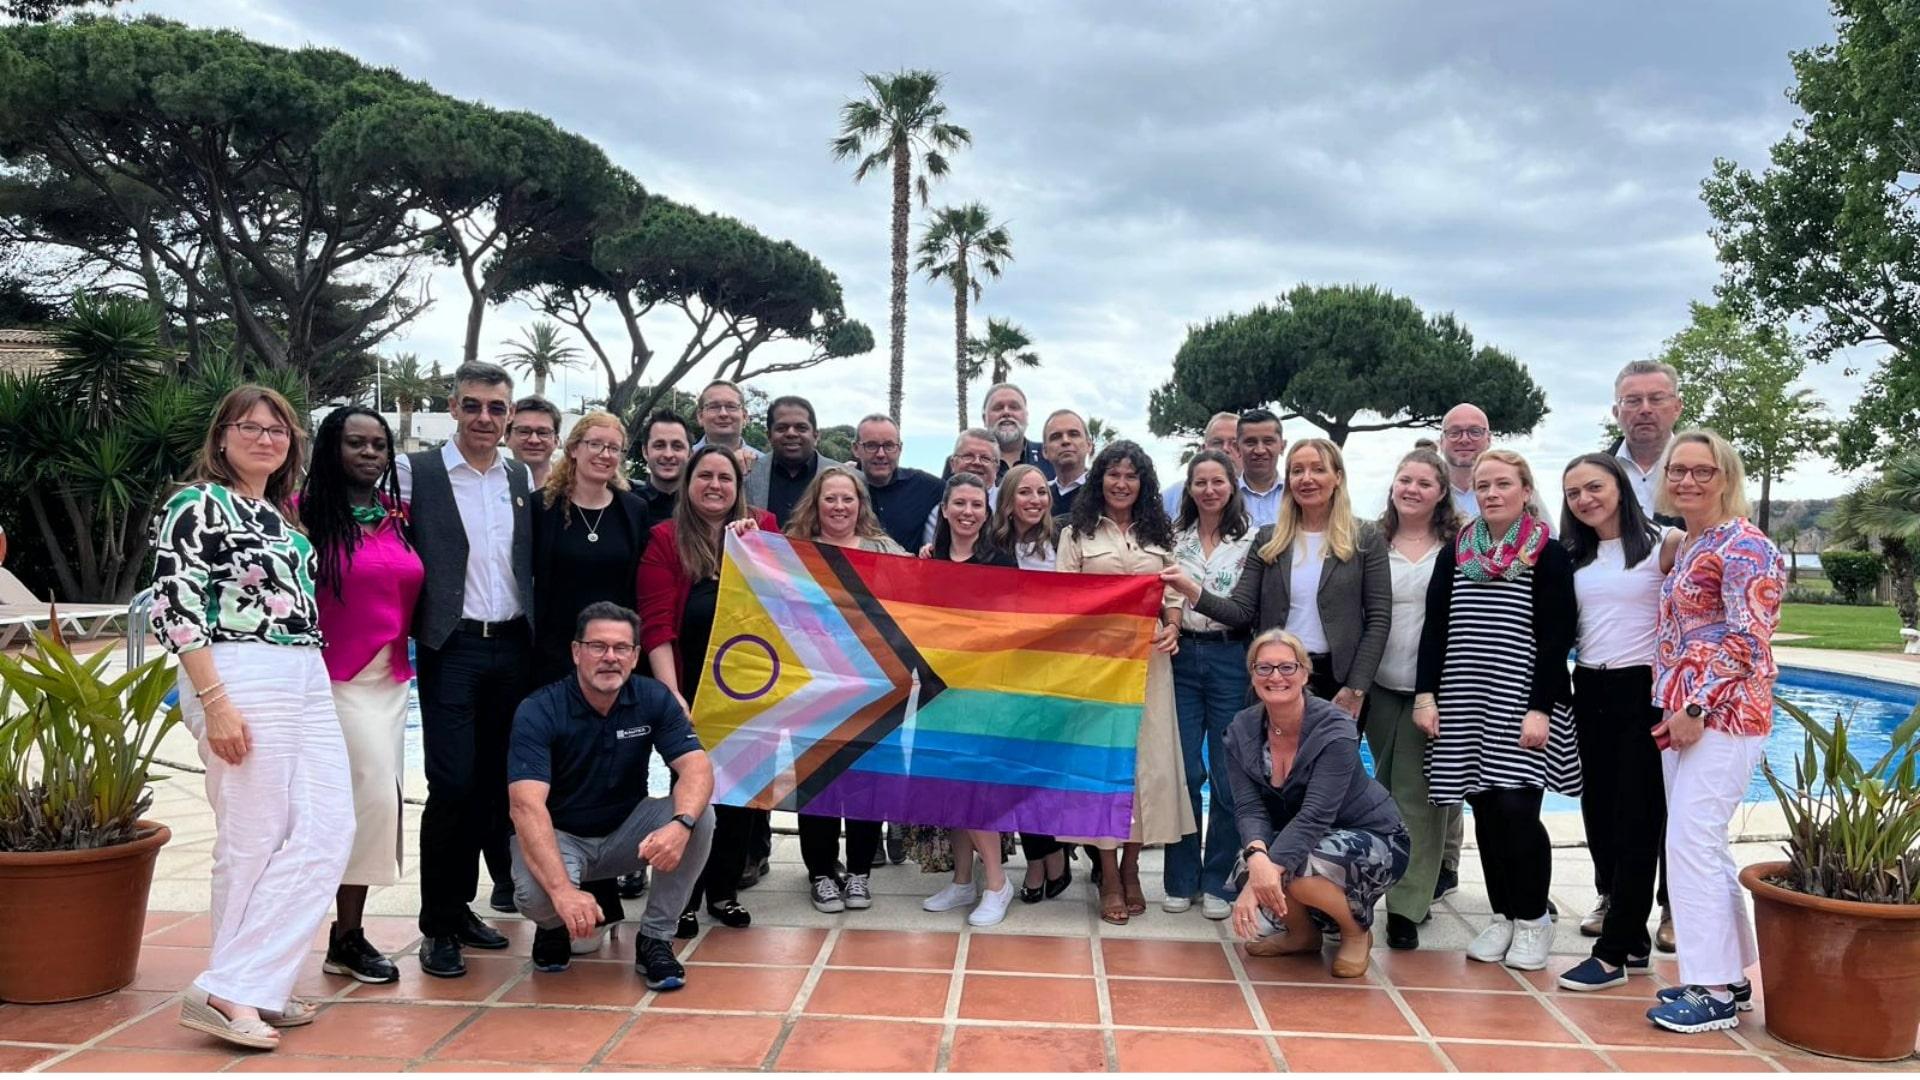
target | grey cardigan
[
  {"x": 760, "y": 476},
  {"x": 1327, "y": 788},
  {"x": 1355, "y": 602}
]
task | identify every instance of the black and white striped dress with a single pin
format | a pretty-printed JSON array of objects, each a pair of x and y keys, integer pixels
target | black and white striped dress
[{"x": 1484, "y": 683}]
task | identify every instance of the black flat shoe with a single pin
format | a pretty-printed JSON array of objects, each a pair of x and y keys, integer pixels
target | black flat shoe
[
  {"x": 731, "y": 914},
  {"x": 1033, "y": 894},
  {"x": 501, "y": 899},
  {"x": 1056, "y": 886},
  {"x": 633, "y": 885},
  {"x": 478, "y": 935},
  {"x": 689, "y": 927},
  {"x": 440, "y": 957},
  {"x": 1402, "y": 932}
]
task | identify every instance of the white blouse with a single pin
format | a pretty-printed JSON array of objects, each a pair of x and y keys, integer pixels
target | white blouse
[
  {"x": 1217, "y": 573},
  {"x": 1619, "y": 607},
  {"x": 1303, "y": 591},
  {"x": 1400, "y": 663}
]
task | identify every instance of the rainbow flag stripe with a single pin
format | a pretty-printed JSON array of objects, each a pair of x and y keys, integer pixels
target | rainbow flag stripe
[{"x": 853, "y": 684}]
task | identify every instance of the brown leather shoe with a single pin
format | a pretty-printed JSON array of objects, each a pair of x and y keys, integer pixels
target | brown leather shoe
[
  {"x": 1351, "y": 959},
  {"x": 1664, "y": 936}
]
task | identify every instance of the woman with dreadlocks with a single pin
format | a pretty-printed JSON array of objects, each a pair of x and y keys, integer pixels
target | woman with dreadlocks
[{"x": 368, "y": 580}]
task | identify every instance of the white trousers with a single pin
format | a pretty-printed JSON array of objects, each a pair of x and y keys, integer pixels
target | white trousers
[
  {"x": 1711, "y": 928},
  {"x": 283, "y": 820}
]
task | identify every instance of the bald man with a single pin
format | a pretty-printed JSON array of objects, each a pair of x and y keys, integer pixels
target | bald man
[{"x": 1222, "y": 427}]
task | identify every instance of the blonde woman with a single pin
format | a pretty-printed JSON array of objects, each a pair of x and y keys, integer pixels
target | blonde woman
[
  {"x": 1023, "y": 518},
  {"x": 1316, "y": 572}
]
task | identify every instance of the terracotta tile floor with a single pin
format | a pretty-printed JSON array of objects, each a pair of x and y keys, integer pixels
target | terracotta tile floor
[{"x": 863, "y": 1000}]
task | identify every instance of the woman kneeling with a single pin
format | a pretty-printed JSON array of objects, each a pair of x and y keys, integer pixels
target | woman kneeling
[{"x": 1326, "y": 841}]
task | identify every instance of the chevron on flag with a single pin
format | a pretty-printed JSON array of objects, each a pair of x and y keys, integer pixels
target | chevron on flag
[{"x": 876, "y": 687}]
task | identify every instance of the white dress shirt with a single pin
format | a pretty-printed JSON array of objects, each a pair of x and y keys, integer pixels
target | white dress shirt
[
  {"x": 1642, "y": 479},
  {"x": 485, "y": 502}
]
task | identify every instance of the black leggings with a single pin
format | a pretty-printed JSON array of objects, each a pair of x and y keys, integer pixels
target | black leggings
[
  {"x": 1037, "y": 846},
  {"x": 1625, "y": 800},
  {"x": 820, "y": 844},
  {"x": 720, "y": 881},
  {"x": 1514, "y": 850}
]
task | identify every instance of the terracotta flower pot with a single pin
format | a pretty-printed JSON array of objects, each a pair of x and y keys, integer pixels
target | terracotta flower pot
[
  {"x": 75, "y": 918},
  {"x": 1842, "y": 978}
]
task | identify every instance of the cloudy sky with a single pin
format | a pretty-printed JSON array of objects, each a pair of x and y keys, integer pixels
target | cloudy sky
[{"x": 1533, "y": 167}]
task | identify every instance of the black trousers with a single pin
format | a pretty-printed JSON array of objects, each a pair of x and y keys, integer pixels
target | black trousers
[
  {"x": 1037, "y": 846},
  {"x": 820, "y": 844},
  {"x": 720, "y": 881},
  {"x": 1625, "y": 803},
  {"x": 1320, "y": 682},
  {"x": 469, "y": 689},
  {"x": 1514, "y": 850}
]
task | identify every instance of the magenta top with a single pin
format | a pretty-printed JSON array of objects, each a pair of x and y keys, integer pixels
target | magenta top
[{"x": 375, "y": 606}]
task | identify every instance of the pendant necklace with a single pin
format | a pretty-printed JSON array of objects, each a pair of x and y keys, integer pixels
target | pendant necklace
[{"x": 593, "y": 527}]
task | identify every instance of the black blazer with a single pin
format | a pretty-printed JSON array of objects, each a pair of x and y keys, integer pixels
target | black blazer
[{"x": 1554, "y": 625}]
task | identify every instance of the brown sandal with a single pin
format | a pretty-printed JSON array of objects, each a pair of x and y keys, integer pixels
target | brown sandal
[
  {"x": 1130, "y": 884},
  {"x": 1113, "y": 902}
]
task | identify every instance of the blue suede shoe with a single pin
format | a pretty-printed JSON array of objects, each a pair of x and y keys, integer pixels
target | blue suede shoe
[
  {"x": 1742, "y": 994},
  {"x": 1693, "y": 1011},
  {"x": 1591, "y": 974}
]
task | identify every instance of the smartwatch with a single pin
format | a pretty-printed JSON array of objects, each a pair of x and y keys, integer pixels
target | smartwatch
[
  {"x": 1249, "y": 851},
  {"x": 687, "y": 820},
  {"x": 1695, "y": 711}
]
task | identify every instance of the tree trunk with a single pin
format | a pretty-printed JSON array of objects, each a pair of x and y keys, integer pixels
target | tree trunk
[
  {"x": 1900, "y": 564},
  {"x": 1766, "y": 499},
  {"x": 539, "y": 382},
  {"x": 897, "y": 340},
  {"x": 960, "y": 338},
  {"x": 476, "y": 314},
  {"x": 1000, "y": 372},
  {"x": 406, "y": 419}
]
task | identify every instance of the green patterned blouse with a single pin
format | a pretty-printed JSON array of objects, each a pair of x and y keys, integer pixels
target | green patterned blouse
[{"x": 231, "y": 568}]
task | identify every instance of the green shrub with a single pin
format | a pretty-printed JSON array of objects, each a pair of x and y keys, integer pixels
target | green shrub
[{"x": 1854, "y": 574}]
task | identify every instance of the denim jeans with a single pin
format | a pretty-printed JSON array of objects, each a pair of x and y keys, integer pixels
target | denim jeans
[{"x": 1209, "y": 686}]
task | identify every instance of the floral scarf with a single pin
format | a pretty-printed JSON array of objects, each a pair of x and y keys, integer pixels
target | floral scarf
[{"x": 1481, "y": 559}]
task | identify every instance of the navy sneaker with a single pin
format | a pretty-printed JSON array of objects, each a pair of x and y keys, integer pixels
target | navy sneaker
[
  {"x": 1591, "y": 974},
  {"x": 1742, "y": 994},
  {"x": 1694, "y": 1010},
  {"x": 654, "y": 960},
  {"x": 1639, "y": 965}
]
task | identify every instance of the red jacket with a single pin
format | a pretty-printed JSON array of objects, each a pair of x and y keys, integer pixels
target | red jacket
[{"x": 663, "y": 586}]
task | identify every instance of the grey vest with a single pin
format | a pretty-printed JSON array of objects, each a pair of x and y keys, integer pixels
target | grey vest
[{"x": 441, "y": 540}]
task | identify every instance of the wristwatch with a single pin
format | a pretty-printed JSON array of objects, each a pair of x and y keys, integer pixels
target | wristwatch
[
  {"x": 687, "y": 820},
  {"x": 1249, "y": 851},
  {"x": 1695, "y": 711}
]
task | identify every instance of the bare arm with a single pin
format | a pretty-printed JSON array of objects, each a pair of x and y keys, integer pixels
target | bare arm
[{"x": 660, "y": 662}]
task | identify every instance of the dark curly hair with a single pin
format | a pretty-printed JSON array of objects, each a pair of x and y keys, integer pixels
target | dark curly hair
[
  {"x": 1151, "y": 525},
  {"x": 325, "y": 511}
]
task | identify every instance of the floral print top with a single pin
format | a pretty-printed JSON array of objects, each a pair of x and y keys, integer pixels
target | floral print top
[
  {"x": 1217, "y": 573},
  {"x": 231, "y": 568},
  {"x": 1718, "y": 611}
]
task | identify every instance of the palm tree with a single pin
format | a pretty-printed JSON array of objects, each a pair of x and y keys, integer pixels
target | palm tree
[
  {"x": 961, "y": 245},
  {"x": 1005, "y": 347},
  {"x": 1100, "y": 433},
  {"x": 1885, "y": 510},
  {"x": 405, "y": 387},
  {"x": 901, "y": 115},
  {"x": 541, "y": 352}
]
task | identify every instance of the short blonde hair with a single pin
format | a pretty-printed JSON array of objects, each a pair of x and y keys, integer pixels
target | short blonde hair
[
  {"x": 1733, "y": 497},
  {"x": 1279, "y": 635}
]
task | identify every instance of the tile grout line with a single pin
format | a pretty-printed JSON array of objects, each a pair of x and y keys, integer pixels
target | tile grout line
[
  {"x": 1095, "y": 943},
  {"x": 1251, "y": 998},
  {"x": 1552, "y": 1008},
  {"x": 949, "y": 1029},
  {"x": 797, "y": 1007},
  {"x": 1412, "y": 1018}
]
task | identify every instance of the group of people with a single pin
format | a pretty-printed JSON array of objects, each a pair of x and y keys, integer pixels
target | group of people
[{"x": 535, "y": 584}]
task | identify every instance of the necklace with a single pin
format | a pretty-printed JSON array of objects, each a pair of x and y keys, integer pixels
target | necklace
[{"x": 593, "y": 527}]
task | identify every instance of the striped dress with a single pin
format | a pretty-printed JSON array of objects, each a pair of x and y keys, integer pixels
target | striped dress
[{"x": 1482, "y": 667}]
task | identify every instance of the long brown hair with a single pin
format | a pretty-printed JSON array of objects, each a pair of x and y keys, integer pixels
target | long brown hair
[
  {"x": 804, "y": 522},
  {"x": 1446, "y": 520},
  {"x": 1340, "y": 525},
  {"x": 699, "y": 550},
  {"x": 560, "y": 481},
  {"x": 211, "y": 466},
  {"x": 1006, "y": 532}
]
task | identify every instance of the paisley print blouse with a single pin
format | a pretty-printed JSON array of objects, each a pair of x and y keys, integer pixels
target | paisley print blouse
[
  {"x": 231, "y": 568},
  {"x": 1718, "y": 611}
]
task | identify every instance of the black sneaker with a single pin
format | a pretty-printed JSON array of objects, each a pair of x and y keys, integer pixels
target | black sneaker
[
  {"x": 478, "y": 935},
  {"x": 502, "y": 898},
  {"x": 632, "y": 885},
  {"x": 1402, "y": 932},
  {"x": 1448, "y": 882},
  {"x": 350, "y": 954},
  {"x": 896, "y": 843},
  {"x": 440, "y": 957},
  {"x": 653, "y": 959},
  {"x": 552, "y": 949},
  {"x": 689, "y": 927}
]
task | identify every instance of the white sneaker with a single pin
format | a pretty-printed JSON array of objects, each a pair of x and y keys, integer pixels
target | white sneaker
[
  {"x": 993, "y": 906},
  {"x": 1492, "y": 944},
  {"x": 1215, "y": 908},
  {"x": 582, "y": 946},
  {"x": 953, "y": 896},
  {"x": 1174, "y": 905},
  {"x": 1531, "y": 941}
]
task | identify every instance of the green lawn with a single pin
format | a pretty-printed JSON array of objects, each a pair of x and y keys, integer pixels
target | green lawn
[{"x": 1833, "y": 626}]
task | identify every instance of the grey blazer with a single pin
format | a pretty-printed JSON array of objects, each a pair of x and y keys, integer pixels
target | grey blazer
[
  {"x": 757, "y": 480},
  {"x": 1355, "y": 602}
]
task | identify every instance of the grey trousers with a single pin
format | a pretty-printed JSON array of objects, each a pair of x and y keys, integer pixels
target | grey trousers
[{"x": 591, "y": 858}]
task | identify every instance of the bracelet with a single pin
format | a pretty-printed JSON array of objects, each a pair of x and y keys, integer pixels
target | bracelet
[
  {"x": 1426, "y": 705},
  {"x": 204, "y": 702},
  {"x": 217, "y": 684}
]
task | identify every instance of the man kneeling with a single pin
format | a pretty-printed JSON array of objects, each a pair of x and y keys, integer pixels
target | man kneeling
[{"x": 577, "y": 782}]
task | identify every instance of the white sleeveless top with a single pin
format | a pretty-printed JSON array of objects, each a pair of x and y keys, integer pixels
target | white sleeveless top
[{"x": 1618, "y": 607}]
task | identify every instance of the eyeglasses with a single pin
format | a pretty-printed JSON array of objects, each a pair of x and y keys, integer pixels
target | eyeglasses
[
  {"x": 255, "y": 433},
  {"x": 880, "y": 447},
  {"x": 722, "y": 407},
  {"x": 1636, "y": 401},
  {"x": 1285, "y": 670},
  {"x": 596, "y": 447},
  {"x": 474, "y": 407},
  {"x": 1702, "y": 474},
  {"x": 525, "y": 432},
  {"x": 1465, "y": 433},
  {"x": 975, "y": 459},
  {"x": 596, "y": 649}
]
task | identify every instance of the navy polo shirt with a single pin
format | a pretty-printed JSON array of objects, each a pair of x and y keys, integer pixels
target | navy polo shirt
[
  {"x": 596, "y": 765},
  {"x": 903, "y": 505}
]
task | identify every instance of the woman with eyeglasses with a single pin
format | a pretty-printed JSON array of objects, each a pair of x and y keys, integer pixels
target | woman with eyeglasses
[
  {"x": 1713, "y": 673},
  {"x": 367, "y": 581},
  {"x": 679, "y": 587},
  {"x": 1324, "y": 839},
  {"x": 234, "y": 599},
  {"x": 1491, "y": 692},
  {"x": 589, "y": 529},
  {"x": 835, "y": 509}
]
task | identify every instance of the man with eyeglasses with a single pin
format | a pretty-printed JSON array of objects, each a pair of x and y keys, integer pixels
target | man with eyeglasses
[
  {"x": 977, "y": 452},
  {"x": 664, "y": 448},
  {"x": 902, "y": 496},
  {"x": 471, "y": 523},
  {"x": 577, "y": 780},
  {"x": 534, "y": 433},
  {"x": 793, "y": 435},
  {"x": 723, "y": 422},
  {"x": 1004, "y": 413},
  {"x": 1646, "y": 405}
]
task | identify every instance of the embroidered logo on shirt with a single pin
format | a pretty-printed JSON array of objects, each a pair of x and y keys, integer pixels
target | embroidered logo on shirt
[{"x": 633, "y": 732}]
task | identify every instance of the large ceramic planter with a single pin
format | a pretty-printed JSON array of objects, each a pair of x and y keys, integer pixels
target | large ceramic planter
[
  {"x": 73, "y": 919},
  {"x": 1841, "y": 978}
]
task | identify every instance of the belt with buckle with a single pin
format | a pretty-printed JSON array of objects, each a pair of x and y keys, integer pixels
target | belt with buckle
[
  {"x": 515, "y": 625},
  {"x": 1213, "y": 635}
]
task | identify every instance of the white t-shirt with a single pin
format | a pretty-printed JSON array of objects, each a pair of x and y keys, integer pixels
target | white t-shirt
[
  {"x": 1618, "y": 607},
  {"x": 1400, "y": 663},
  {"x": 1303, "y": 591}
]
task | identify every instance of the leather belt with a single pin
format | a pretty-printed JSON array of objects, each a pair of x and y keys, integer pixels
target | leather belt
[{"x": 516, "y": 625}]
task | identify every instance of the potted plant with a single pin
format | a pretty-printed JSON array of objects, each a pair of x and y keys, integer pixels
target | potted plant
[
  {"x": 1838, "y": 922},
  {"x": 76, "y": 856}
]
